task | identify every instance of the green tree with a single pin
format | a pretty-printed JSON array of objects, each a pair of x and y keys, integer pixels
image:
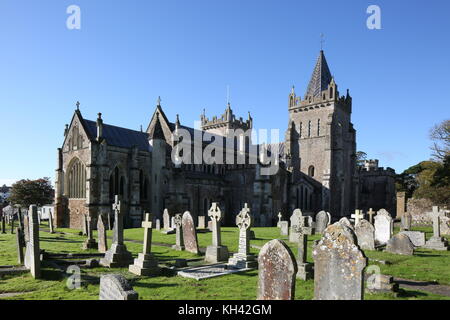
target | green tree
[
  {"x": 360, "y": 157},
  {"x": 27, "y": 192}
]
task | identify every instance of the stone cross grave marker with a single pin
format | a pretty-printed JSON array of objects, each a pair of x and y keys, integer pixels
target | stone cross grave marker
[
  {"x": 384, "y": 226},
  {"x": 189, "y": 233},
  {"x": 243, "y": 259},
  {"x": 436, "y": 242},
  {"x": 179, "y": 241},
  {"x": 101, "y": 230},
  {"x": 338, "y": 265},
  {"x": 216, "y": 252},
  {"x": 280, "y": 216},
  {"x": 116, "y": 287},
  {"x": 303, "y": 229},
  {"x": 371, "y": 213},
  {"x": 357, "y": 216},
  {"x": 277, "y": 272},
  {"x": 117, "y": 256},
  {"x": 146, "y": 264},
  {"x": 33, "y": 252}
]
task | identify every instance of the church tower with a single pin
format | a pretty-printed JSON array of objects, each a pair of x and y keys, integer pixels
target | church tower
[{"x": 321, "y": 140}]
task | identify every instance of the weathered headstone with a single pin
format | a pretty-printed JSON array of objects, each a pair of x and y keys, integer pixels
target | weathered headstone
[
  {"x": 210, "y": 228},
  {"x": 101, "y": 231},
  {"x": 346, "y": 222},
  {"x": 322, "y": 221},
  {"x": 304, "y": 268},
  {"x": 417, "y": 237},
  {"x": 383, "y": 227},
  {"x": 172, "y": 222},
  {"x": 146, "y": 264},
  {"x": 189, "y": 233},
  {"x": 277, "y": 272},
  {"x": 26, "y": 228},
  {"x": 365, "y": 233},
  {"x": 284, "y": 228},
  {"x": 166, "y": 220},
  {"x": 296, "y": 220},
  {"x": 338, "y": 265},
  {"x": 357, "y": 216},
  {"x": 243, "y": 259},
  {"x": 201, "y": 222},
  {"x": 436, "y": 242},
  {"x": 216, "y": 252},
  {"x": 179, "y": 241},
  {"x": 33, "y": 253},
  {"x": 158, "y": 224},
  {"x": 90, "y": 242},
  {"x": 400, "y": 244},
  {"x": 12, "y": 224},
  {"x": 118, "y": 255},
  {"x": 406, "y": 220},
  {"x": 85, "y": 225},
  {"x": 444, "y": 225},
  {"x": 50, "y": 221},
  {"x": 20, "y": 246},
  {"x": 280, "y": 216},
  {"x": 116, "y": 287}
]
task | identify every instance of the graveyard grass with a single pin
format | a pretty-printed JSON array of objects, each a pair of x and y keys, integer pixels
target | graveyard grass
[{"x": 425, "y": 265}]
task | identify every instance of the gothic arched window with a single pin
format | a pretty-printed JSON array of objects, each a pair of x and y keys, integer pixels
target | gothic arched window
[
  {"x": 309, "y": 128},
  {"x": 318, "y": 127},
  {"x": 76, "y": 182}
]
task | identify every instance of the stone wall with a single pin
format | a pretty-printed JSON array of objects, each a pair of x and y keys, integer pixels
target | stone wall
[{"x": 418, "y": 209}]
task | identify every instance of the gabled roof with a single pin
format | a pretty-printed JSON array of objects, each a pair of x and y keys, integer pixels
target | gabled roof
[
  {"x": 119, "y": 137},
  {"x": 321, "y": 77}
]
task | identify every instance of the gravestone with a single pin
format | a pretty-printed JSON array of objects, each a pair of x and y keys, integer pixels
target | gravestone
[
  {"x": 216, "y": 252},
  {"x": 117, "y": 256},
  {"x": 303, "y": 229},
  {"x": 201, "y": 222},
  {"x": 85, "y": 225},
  {"x": 90, "y": 242},
  {"x": 444, "y": 225},
  {"x": 158, "y": 224},
  {"x": 189, "y": 233},
  {"x": 12, "y": 223},
  {"x": 146, "y": 264},
  {"x": 33, "y": 253},
  {"x": 50, "y": 221},
  {"x": 365, "y": 233},
  {"x": 166, "y": 220},
  {"x": 417, "y": 237},
  {"x": 179, "y": 242},
  {"x": 383, "y": 227},
  {"x": 277, "y": 272},
  {"x": 295, "y": 221},
  {"x": 243, "y": 259},
  {"x": 3, "y": 224},
  {"x": 280, "y": 216},
  {"x": 400, "y": 244},
  {"x": 172, "y": 222},
  {"x": 371, "y": 213},
  {"x": 406, "y": 220},
  {"x": 284, "y": 228},
  {"x": 338, "y": 265},
  {"x": 322, "y": 221},
  {"x": 26, "y": 228},
  {"x": 20, "y": 245},
  {"x": 358, "y": 216},
  {"x": 436, "y": 242},
  {"x": 346, "y": 222},
  {"x": 116, "y": 287},
  {"x": 210, "y": 228},
  {"x": 101, "y": 231}
]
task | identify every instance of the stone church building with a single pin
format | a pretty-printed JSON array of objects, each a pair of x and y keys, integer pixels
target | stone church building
[{"x": 317, "y": 165}]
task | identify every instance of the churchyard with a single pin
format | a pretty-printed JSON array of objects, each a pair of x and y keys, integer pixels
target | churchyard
[{"x": 423, "y": 275}]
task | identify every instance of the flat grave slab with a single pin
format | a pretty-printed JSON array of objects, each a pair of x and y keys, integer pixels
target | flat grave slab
[{"x": 209, "y": 271}]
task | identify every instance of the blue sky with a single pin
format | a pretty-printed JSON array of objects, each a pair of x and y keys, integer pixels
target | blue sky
[{"x": 128, "y": 53}]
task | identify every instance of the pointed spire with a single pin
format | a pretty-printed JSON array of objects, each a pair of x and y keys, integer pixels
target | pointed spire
[
  {"x": 158, "y": 102},
  {"x": 321, "y": 77}
]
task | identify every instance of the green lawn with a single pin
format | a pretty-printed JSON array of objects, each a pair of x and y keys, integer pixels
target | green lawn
[{"x": 424, "y": 265}]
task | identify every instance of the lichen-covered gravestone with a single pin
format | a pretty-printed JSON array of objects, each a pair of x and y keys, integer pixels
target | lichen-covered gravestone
[
  {"x": 338, "y": 265},
  {"x": 384, "y": 226},
  {"x": 243, "y": 259},
  {"x": 277, "y": 272},
  {"x": 322, "y": 221},
  {"x": 33, "y": 253},
  {"x": 365, "y": 233},
  {"x": 189, "y": 233},
  {"x": 406, "y": 220},
  {"x": 346, "y": 222},
  {"x": 417, "y": 237},
  {"x": 216, "y": 252},
  {"x": 116, "y": 287},
  {"x": 296, "y": 221},
  {"x": 400, "y": 244}
]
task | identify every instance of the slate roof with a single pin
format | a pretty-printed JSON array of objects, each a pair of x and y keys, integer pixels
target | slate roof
[
  {"x": 321, "y": 77},
  {"x": 119, "y": 137}
]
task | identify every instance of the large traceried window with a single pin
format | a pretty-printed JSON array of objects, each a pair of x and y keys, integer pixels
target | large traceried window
[{"x": 76, "y": 182}]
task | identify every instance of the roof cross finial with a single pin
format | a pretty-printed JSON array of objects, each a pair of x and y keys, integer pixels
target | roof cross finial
[
  {"x": 78, "y": 105},
  {"x": 158, "y": 102},
  {"x": 322, "y": 40}
]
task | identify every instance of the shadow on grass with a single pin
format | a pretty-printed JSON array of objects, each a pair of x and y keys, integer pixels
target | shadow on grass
[
  {"x": 138, "y": 284},
  {"x": 60, "y": 240},
  {"x": 411, "y": 293}
]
